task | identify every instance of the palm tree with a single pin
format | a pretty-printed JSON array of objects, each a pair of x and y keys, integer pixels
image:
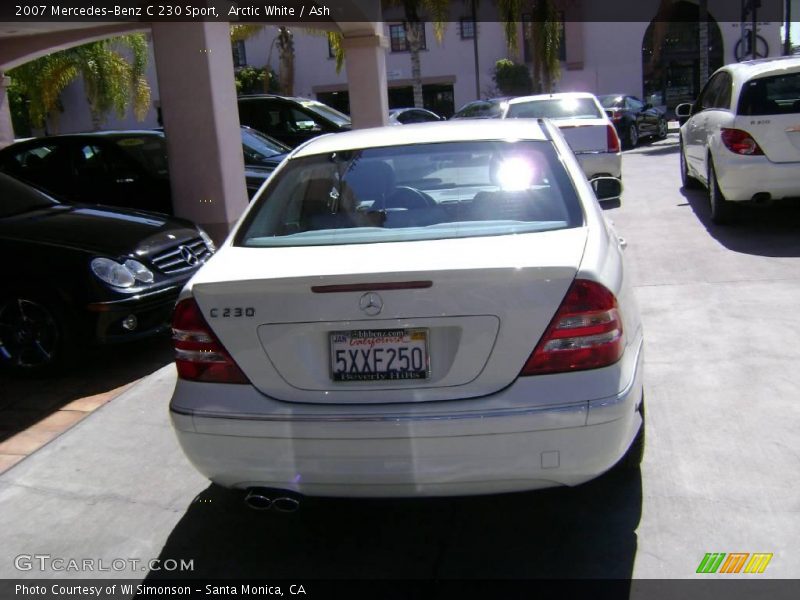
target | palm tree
[
  {"x": 544, "y": 33},
  {"x": 414, "y": 30},
  {"x": 111, "y": 81},
  {"x": 285, "y": 43}
]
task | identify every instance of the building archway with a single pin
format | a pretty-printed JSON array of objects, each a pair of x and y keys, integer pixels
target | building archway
[{"x": 670, "y": 55}]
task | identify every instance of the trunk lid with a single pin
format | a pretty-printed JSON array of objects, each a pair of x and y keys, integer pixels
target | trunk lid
[
  {"x": 777, "y": 135},
  {"x": 585, "y": 135},
  {"x": 488, "y": 302}
]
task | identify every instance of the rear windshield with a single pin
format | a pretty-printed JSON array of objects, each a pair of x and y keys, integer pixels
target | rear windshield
[
  {"x": 556, "y": 108},
  {"x": 477, "y": 110},
  {"x": 149, "y": 151},
  {"x": 259, "y": 149},
  {"x": 775, "y": 95},
  {"x": 414, "y": 192},
  {"x": 333, "y": 115},
  {"x": 610, "y": 101}
]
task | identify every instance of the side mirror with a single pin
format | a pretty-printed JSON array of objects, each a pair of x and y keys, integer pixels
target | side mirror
[
  {"x": 606, "y": 188},
  {"x": 684, "y": 111}
]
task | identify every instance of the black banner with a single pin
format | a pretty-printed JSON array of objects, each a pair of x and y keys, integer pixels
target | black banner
[
  {"x": 699, "y": 588},
  {"x": 321, "y": 11}
]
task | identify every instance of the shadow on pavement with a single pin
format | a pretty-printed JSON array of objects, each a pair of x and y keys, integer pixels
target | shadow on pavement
[
  {"x": 24, "y": 401},
  {"x": 583, "y": 532},
  {"x": 766, "y": 230}
]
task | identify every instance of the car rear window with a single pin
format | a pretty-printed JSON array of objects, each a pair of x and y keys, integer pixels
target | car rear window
[
  {"x": 149, "y": 151},
  {"x": 414, "y": 192},
  {"x": 556, "y": 108},
  {"x": 776, "y": 95},
  {"x": 477, "y": 110}
]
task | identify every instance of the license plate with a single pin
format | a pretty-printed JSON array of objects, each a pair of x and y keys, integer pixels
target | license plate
[{"x": 379, "y": 354}]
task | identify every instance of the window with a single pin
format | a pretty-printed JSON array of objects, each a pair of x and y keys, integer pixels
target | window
[
  {"x": 239, "y": 55},
  {"x": 559, "y": 108},
  {"x": 399, "y": 42},
  {"x": 414, "y": 192},
  {"x": 467, "y": 28},
  {"x": 773, "y": 95},
  {"x": 527, "y": 24},
  {"x": 634, "y": 104},
  {"x": 713, "y": 90}
]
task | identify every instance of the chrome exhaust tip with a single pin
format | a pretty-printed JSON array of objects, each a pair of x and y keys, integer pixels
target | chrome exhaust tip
[{"x": 266, "y": 498}]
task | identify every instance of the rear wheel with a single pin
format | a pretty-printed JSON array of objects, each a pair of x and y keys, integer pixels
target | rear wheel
[
  {"x": 721, "y": 209},
  {"x": 663, "y": 129},
  {"x": 33, "y": 334},
  {"x": 631, "y": 137}
]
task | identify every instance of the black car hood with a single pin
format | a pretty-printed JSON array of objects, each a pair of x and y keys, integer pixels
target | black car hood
[{"x": 110, "y": 231}]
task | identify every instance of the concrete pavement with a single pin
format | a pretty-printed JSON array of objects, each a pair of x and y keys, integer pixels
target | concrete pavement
[{"x": 720, "y": 471}]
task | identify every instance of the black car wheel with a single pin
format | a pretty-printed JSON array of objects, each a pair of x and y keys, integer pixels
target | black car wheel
[
  {"x": 721, "y": 209},
  {"x": 631, "y": 137},
  {"x": 663, "y": 129},
  {"x": 32, "y": 334}
]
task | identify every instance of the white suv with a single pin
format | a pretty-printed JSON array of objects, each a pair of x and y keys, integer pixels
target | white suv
[{"x": 742, "y": 136}]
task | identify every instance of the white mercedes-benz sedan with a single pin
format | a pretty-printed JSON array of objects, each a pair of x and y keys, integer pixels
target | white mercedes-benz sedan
[{"x": 435, "y": 309}]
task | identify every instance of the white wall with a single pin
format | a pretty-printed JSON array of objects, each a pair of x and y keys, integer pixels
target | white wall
[{"x": 454, "y": 57}]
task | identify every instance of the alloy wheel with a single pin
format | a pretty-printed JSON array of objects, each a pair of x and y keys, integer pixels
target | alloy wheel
[{"x": 29, "y": 334}]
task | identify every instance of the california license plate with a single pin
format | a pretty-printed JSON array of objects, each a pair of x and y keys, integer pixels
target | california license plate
[{"x": 379, "y": 354}]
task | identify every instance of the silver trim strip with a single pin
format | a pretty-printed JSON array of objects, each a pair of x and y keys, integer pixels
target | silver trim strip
[{"x": 398, "y": 418}]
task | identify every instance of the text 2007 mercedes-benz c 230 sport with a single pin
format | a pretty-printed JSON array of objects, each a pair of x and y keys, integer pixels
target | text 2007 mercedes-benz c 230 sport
[{"x": 437, "y": 309}]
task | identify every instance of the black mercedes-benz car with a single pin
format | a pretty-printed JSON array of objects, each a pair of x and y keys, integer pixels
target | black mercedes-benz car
[
  {"x": 121, "y": 168},
  {"x": 77, "y": 274},
  {"x": 634, "y": 119},
  {"x": 292, "y": 121}
]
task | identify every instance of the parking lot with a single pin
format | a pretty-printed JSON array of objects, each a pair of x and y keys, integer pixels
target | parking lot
[{"x": 719, "y": 475}]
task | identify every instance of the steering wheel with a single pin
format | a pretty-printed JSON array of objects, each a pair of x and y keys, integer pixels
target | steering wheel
[{"x": 407, "y": 197}]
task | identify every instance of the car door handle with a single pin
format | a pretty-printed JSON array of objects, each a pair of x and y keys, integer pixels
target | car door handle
[{"x": 623, "y": 243}]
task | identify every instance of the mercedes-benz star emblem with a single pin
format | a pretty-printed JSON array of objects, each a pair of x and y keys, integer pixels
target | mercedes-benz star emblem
[
  {"x": 371, "y": 303},
  {"x": 189, "y": 256}
]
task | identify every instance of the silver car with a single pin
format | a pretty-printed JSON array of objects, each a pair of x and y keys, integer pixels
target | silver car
[
  {"x": 381, "y": 325},
  {"x": 586, "y": 126}
]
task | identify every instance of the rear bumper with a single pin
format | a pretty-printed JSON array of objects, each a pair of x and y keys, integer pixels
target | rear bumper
[
  {"x": 742, "y": 177},
  {"x": 597, "y": 164},
  {"x": 445, "y": 448}
]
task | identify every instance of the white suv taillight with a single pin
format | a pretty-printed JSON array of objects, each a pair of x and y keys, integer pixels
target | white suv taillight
[
  {"x": 612, "y": 139},
  {"x": 740, "y": 142},
  {"x": 199, "y": 355},
  {"x": 586, "y": 333}
]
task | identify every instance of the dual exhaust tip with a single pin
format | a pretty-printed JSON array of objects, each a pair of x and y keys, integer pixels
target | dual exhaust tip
[{"x": 272, "y": 499}]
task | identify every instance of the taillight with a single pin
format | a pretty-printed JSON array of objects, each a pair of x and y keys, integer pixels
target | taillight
[
  {"x": 612, "y": 139},
  {"x": 586, "y": 333},
  {"x": 199, "y": 355},
  {"x": 740, "y": 142}
]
